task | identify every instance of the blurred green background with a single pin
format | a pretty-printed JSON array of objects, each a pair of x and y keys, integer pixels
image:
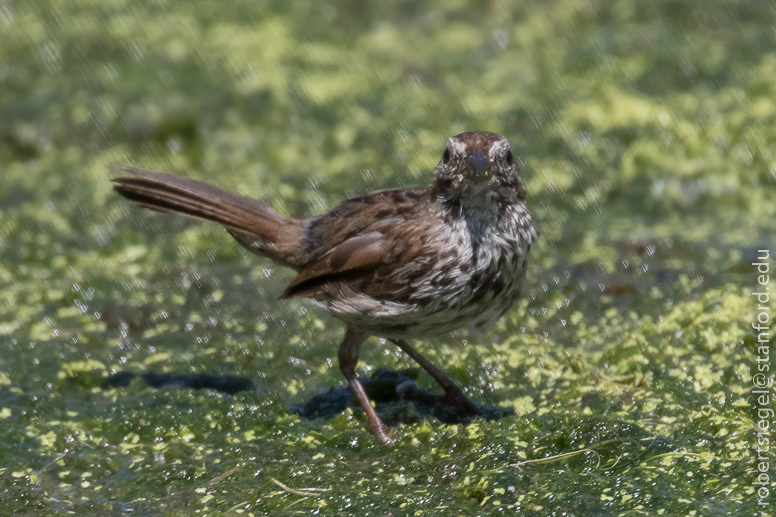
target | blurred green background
[{"x": 645, "y": 132}]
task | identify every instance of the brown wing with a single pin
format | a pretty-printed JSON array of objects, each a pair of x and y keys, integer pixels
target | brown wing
[
  {"x": 354, "y": 257},
  {"x": 361, "y": 242}
]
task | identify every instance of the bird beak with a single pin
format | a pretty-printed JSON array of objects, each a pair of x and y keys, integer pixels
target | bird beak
[{"x": 479, "y": 164}]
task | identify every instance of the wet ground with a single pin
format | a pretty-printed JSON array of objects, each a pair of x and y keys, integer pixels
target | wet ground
[{"x": 147, "y": 367}]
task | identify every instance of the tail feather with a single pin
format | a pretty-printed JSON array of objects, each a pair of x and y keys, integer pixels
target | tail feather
[{"x": 252, "y": 222}]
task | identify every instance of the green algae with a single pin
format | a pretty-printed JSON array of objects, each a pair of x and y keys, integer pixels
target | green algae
[{"x": 645, "y": 131}]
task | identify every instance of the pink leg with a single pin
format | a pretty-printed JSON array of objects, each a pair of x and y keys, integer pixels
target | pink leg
[
  {"x": 453, "y": 394},
  {"x": 348, "y": 357}
]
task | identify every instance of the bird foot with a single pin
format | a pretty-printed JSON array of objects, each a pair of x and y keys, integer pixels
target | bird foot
[{"x": 464, "y": 407}]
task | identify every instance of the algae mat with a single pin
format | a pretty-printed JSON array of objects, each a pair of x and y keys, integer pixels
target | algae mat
[{"x": 645, "y": 132}]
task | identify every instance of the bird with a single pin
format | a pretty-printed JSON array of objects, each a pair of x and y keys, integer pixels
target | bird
[{"x": 397, "y": 264}]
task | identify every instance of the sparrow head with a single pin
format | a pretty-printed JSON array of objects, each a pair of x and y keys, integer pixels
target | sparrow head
[{"x": 478, "y": 166}]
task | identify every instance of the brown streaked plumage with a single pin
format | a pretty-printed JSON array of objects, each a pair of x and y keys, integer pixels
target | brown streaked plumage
[{"x": 396, "y": 264}]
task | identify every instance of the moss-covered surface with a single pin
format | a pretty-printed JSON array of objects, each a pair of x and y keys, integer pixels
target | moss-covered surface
[{"x": 646, "y": 131}]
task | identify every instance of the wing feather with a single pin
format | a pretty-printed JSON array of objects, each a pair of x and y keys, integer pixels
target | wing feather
[
  {"x": 360, "y": 244},
  {"x": 354, "y": 257}
]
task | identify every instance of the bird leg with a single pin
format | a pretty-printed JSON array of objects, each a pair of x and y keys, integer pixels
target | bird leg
[
  {"x": 348, "y": 357},
  {"x": 453, "y": 394}
]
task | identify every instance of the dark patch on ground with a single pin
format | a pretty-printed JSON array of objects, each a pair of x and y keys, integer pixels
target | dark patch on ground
[
  {"x": 229, "y": 385},
  {"x": 398, "y": 399}
]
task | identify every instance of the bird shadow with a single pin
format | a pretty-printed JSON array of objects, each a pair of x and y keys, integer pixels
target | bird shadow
[
  {"x": 397, "y": 398},
  {"x": 396, "y": 395}
]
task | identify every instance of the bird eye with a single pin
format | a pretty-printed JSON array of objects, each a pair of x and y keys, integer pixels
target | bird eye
[
  {"x": 446, "y": 155},
  {"x": 510, "y": 157}
]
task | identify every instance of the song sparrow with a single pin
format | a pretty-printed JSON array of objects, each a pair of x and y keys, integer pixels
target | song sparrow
[{"x": 396, "y": 264}]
